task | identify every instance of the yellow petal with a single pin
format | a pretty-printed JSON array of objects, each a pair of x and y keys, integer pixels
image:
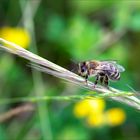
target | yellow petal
[
  {"x": 96, "y": 119},
  {"x": 81, "y": 109},
  {"x": 96, "y": 105},
  {"x": 115, "y": 116},
  {"x": 88, "y": 106},
  {"x": 16, "y": 35}
]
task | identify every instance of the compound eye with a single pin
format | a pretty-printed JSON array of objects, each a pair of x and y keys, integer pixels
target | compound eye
[{"x": 83, "y": 69}]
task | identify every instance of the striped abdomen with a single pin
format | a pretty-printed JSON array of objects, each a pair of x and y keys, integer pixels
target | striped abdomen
[{"x": 113, "y": 73}]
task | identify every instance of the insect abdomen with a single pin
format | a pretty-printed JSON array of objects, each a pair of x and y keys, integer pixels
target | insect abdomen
[
  {"x": 112, "y": 72},
  {"x": 114, "y": 75}
]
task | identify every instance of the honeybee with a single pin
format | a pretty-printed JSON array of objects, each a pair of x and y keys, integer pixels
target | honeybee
[{"x": 102, "y": 70}]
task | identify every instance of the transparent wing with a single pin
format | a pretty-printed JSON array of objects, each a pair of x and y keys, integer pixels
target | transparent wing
[
  {"x": 109, "y": 61},
  {"x": 120, "y": 68},
  {"x": 105, "y": 65}
]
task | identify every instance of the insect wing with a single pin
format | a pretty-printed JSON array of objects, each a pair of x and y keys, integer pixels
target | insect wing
[
  {"x": 109, "y": 61},
  {"x": 105, "y": 65},
  {"x": 120, "y": 68}
]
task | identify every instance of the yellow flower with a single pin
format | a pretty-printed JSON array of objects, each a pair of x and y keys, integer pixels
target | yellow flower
[
  {"x": 96, "y": 105},
  {"x": 16, "y": 35},
  {"x": 88, "y": 106},
  {"x": 81, "y": 109},
  {"x": 115, "y": 116},
  {"x": 93, "y": 111},
  {"x": 96, "y": 119}
]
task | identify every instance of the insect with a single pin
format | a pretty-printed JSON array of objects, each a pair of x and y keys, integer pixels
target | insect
[{"x": 102, "y": 70}]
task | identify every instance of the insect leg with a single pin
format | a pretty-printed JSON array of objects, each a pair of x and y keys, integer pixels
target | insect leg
[
  {"x": 86, "y": 77},
  {"x": 96, "y": 81},
  {"x": 101, "y": 79},
  {"x": 106, "y": 80}
]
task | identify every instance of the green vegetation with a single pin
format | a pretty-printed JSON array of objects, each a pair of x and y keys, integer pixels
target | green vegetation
[{"x": 47, "y": 107}]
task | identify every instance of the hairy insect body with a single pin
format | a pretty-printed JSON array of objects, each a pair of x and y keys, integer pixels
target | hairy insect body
[
  {"x": 103, "y": 70},
  {"x": 110, "y": 70}
]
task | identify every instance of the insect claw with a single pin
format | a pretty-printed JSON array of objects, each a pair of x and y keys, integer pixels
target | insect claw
[
  {"x": 94, "y": 86},
  {"x": 86, "y": 83}
]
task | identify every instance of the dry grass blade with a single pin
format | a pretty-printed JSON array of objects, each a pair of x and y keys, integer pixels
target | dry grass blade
[{"x": 46, "y": 66}]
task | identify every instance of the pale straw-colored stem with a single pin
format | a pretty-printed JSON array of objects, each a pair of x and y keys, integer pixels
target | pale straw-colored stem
[{"x": 46, "y": 66}]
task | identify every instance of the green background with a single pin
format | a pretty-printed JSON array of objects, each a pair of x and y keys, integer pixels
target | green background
[{"x": 64, "y": 31}]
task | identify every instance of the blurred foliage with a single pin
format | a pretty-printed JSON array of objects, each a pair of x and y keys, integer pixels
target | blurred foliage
[{"x": 65, "y": 31}]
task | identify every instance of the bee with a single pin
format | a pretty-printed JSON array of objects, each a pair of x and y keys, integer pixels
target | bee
[{"x": 102, "y": 70}]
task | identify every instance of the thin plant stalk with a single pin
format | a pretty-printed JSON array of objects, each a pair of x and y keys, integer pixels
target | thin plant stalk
[
  {"x": 29, "y": 9},
  {"x": 46, "y": 66}
]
